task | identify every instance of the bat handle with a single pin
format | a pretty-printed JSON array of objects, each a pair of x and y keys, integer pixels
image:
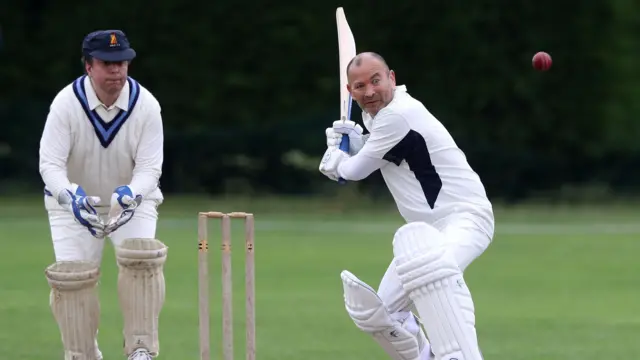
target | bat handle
[{"x": 344, "y": 146}]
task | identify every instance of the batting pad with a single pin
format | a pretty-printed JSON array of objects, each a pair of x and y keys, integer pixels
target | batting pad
[
  {"x": 75, "y": 306},
  {"x": 402, "y": 340},
  {"x": 141, "y": 291},
  {"x": 431, "y": 277}
]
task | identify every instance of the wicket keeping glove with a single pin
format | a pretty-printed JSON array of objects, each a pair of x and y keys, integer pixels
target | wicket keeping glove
[
  {"x": 346, "y": 127},
  {"x": 330, "y": 162},
  {"x": 123, "y": 206},
  {"x": 83, "y": 209}
]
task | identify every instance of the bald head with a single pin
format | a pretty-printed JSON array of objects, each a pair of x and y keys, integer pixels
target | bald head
[
  {"x": 371, "y": 82},
  {"x": 364, "y": 57}
]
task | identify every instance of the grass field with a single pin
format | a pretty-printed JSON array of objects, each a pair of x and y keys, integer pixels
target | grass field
[{"x": 555, "y": 284}]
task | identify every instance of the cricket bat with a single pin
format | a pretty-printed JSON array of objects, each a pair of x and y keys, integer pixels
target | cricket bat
[{"x": 346, "y": 51}]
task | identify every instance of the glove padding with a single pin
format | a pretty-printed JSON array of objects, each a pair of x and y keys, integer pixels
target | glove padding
[
  {"x": 83, "y": 209},
  {"x": 123, "y": 206},
  {"x": 346, "y": 127},
  {"x": 330, "y": 162}
]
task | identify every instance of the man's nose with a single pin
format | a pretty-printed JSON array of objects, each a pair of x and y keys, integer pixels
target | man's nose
[{"x": 370, "y": 92}]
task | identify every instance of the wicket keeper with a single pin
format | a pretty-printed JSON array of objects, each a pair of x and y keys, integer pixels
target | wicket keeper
[
  {"x": 449, "y": 220},
  {"x": 101, "y": 156}
]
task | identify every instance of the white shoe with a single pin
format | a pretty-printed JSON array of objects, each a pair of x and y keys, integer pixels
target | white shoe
[
  {"x": 140, "y": 354},
  {"x": 98, "y": 352}
]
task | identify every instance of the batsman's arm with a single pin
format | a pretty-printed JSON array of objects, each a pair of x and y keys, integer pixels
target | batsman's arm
[
  {"x": 359, "y": 167},
  {"x": 150, "y": 153},
  {"x": 55, "y": 145},
  {"x": 387, "y": 132}
]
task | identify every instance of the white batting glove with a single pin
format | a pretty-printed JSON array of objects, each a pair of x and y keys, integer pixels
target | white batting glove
[
  {"x": 330, "y": 162},
  {"x": 350, "y": 128}
]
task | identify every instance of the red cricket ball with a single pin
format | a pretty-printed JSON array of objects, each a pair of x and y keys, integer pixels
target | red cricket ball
[{"x": 541, "y": 61}]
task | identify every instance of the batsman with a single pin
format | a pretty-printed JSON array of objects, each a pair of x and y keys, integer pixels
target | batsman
[
  {"x": 101, "y": 155},
  {"x": 449, "y": 220}
]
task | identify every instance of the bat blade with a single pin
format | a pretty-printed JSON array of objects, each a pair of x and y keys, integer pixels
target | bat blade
[{"x": 346, "y": 51}]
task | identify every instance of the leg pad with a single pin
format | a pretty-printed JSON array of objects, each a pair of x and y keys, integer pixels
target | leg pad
[
  {"x": 399, "y": 334},
  {"x": 141, "y": 291},
  {"x": 431, "y": 277},
  {"x": 75, "y": 306}
]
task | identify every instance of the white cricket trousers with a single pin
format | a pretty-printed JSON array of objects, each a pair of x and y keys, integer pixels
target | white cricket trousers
[
  {"x": 73, "y": 242},
  {"x": 467, "y": 242}
]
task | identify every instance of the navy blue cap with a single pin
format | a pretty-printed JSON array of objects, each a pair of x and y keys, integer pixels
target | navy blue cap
[{"x": 108, "y": 45}]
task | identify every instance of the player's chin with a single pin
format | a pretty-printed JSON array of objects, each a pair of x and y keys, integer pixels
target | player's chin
[
  {"x": 114, "y": 85},
  {"x": 372, "y": 107}
]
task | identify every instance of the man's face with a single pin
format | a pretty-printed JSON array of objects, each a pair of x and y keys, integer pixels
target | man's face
[
  {"x": 371, "y": 84},
  {"x": 109, "y": 77}
]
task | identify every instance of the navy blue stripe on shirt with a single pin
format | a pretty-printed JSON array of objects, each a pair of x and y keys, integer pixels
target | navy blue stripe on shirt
[{"x": 106, "y": 131}]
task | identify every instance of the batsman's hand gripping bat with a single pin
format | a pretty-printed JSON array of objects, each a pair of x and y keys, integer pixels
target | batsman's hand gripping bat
[{"x": 347, "y": 51}]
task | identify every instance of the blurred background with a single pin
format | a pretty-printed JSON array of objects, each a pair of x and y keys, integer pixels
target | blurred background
[{"x": 248, "y": 88}]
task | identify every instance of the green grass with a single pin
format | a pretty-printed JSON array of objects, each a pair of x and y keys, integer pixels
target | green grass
[{"x": 555, "y": 284}]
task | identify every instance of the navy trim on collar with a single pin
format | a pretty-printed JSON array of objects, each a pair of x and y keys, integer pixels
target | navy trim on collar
[{"x": 106, "y": 131}]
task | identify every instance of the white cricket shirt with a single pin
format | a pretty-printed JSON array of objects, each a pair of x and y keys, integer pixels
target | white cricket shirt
[
  {"x": 100, "y": 148},
  {"x": 427, "y": 174}
]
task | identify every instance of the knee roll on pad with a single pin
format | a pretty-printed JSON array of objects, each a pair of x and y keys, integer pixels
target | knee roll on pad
[
  {"x": 141, "y": 254},
  {"x": 72, "y": 275},
  {"x": 435, "y": 284},
  {"x": 141, "y": 291},
  {"x": 421, "y": 256},
  {"x": 75, "y": 306},
  {"x": 402, "y": 339}
]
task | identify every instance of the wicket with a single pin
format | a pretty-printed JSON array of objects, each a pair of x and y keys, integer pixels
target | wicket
[{"x": 227, "y": 286}]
